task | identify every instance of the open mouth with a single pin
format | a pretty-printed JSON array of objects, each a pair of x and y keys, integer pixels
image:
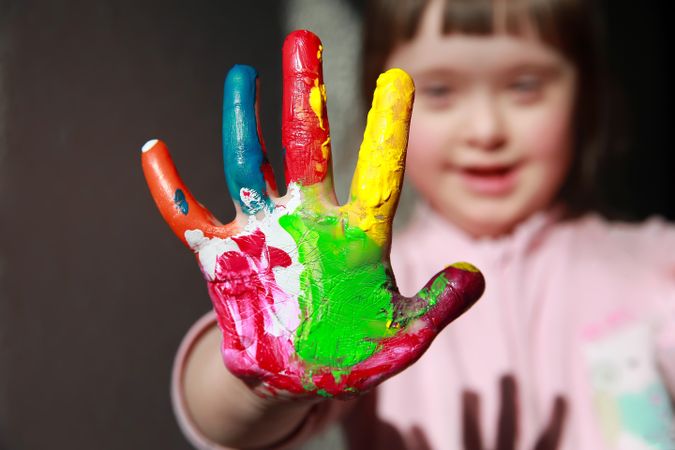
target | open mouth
[
  {"x": 488, "y": 172},
  {"x": 492, "y": 180}
]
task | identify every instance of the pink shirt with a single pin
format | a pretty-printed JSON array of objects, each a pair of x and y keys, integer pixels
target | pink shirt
[{"x": 583, "y": 309}]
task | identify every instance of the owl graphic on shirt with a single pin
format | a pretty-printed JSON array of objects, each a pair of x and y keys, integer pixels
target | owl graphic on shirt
[{"x": 631, "y": 401}]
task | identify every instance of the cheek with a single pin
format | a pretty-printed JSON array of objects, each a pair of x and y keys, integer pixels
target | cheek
[
  {"x": 425, "y": 145},
  {"x": 547, "y": 134}
]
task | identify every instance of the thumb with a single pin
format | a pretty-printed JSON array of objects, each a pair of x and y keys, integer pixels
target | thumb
[{"x": 445, "y": 297}]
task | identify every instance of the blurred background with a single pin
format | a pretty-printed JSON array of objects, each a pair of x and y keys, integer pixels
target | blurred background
[{"x": 95, "y": 291}]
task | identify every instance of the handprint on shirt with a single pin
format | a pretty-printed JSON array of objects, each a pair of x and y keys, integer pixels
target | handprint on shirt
[{"x": 302, "y": 287}]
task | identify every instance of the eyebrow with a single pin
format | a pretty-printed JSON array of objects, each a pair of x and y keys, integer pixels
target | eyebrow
[
  {"x": 438, "y": 73},
  {"x": 550, "y": 69}
]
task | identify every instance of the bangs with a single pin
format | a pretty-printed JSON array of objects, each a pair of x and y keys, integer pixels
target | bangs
[
  {"x": 544, "y": 18},
  {"x": 556, "y": 22},
  {"x": 562, "y": 24}
]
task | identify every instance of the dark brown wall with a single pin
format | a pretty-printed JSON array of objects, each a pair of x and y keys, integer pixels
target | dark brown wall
[
  {"x": 640, "y": 62},
  {"x": 96, "y": 291}
]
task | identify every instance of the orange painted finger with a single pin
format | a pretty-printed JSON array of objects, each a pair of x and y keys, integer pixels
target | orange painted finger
[
  {"x": 175, "y": 202},
  {"x": 376, "y": 185}
]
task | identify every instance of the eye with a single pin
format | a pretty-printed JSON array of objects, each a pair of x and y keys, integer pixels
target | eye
[
  {"x": 437, "y": 90},
  {"x": 527, "y": 88},
  {"x": 526, "y": 84},
  {"x": 435, "y": 95}
]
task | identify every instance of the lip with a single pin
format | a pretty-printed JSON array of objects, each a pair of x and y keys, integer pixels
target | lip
[{"x": 490, "y": 180}]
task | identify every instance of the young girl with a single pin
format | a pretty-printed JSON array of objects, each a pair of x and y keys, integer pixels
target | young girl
[{"x": 572, "y": 344}]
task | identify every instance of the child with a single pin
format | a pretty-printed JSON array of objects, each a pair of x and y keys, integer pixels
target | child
[{"x": 572, "y": 344}]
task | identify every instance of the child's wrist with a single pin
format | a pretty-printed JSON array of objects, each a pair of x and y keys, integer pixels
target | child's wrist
[
  {"x": 282, "y": 418},
  {"x": 274, "y": 419}
]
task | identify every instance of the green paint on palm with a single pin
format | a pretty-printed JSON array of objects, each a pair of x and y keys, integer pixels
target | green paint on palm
[{"x": 344, "y": 299}]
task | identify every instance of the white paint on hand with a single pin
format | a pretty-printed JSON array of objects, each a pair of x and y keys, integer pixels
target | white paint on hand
[
  {"x": 148, "y": 145},
  {"x": 286, "y": 317},
  {"x": 288, "y": 278},
  {"x": 209, "y": 249}
]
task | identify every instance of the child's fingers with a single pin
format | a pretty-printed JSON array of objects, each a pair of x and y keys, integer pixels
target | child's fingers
[
  {"x": 471, "y": 427},
  {"x": 507, "y": 425},
  {"x": 305, "y": 131},
  {"x": 242, "y": 150},
  {"x": 175, "y": 202},
  {"x": 379, "y": 171},
  {"x": 550, "y": 437},
  {"x": 443, "y": 299},
  {"x": 451, "y": 293}
]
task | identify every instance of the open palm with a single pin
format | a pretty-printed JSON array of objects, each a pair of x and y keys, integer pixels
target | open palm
[{"x": 302, "y": 287}]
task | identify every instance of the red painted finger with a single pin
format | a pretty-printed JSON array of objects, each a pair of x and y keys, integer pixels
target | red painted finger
[
  {"x": 305, "y": 131},
  {"x": 175, "y": 202},
  {"x": 450, "y": 294}
]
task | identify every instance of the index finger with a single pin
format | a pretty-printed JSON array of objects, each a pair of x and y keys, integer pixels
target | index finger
[{"x": 376, "y": 185}]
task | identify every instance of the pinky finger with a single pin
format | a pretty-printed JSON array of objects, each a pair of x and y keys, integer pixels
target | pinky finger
[{"x": 181, "y": 211}]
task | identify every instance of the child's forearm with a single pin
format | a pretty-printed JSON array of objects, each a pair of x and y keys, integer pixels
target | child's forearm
[{"x": 224, "y": 408}]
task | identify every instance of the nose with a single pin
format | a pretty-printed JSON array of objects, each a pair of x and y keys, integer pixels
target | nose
[{"x": 484, "y": 126}]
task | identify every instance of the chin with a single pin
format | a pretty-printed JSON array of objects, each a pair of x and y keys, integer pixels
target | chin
[
  {"x": 491, "y": 222},
  {"x": 489, "y": 229}
]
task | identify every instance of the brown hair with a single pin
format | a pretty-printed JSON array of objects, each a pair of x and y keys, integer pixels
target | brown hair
[{"x": 574, "y": 27}]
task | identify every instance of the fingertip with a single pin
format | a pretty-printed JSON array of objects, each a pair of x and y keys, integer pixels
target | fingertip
[
  {"x": 303, "y": 54},
  {"x": 397, "y": 77},
  {"x": 303, "y": 40},
  {"x": 301, "y": 34},
  {"x": 240, "y": 90},
  {"x": 155, "y": 157},
  {"x": 394, "y": 89},
  {"x": 240, "y": 77},
  {"x": 465, "y": 266},
  {"x": 467, "y": 278},
  {"x": 152, "y": 144}
]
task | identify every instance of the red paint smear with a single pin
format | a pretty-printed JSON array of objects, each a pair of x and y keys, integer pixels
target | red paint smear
[
  {"x": 268, "y": 174},
  {"x": 302, "y": 134},
  {"x": 244, "y": 293},
  {"x": 265, "y": 167}
]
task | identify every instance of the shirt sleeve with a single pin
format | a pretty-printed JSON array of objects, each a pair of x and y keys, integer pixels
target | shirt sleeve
[{"x": 319, "y": 417}]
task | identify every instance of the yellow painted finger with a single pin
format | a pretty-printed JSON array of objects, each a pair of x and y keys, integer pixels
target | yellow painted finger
[{"x": 379, "y": 171}]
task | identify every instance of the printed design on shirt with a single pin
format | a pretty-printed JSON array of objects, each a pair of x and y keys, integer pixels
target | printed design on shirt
[
  {"x": 630, "y": 398},
  {"x": 302, "y": 287},
  {"x": 474, "y": 438}
]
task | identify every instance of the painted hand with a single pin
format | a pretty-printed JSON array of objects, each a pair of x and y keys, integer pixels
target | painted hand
[{"x": 302, "y": 287}]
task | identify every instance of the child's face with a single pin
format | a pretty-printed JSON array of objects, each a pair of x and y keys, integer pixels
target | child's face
[{"x": 491, "y": 131}]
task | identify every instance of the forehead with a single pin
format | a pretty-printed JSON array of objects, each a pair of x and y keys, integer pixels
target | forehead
[
  {"x": 473, "y": 53},
  {"x": 431, "y": 49}
]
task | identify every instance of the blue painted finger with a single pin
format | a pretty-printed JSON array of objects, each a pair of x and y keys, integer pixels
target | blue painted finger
[{"x": 242, "y": 150}]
